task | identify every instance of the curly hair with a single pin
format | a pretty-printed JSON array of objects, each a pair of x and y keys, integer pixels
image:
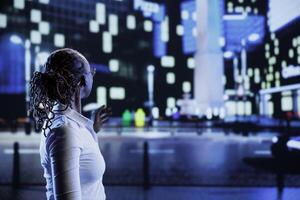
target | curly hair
[{"x": 57, "y": 84}]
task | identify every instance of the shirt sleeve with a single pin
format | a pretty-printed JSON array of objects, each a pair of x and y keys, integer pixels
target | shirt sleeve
[{"x": 64, "y": 150}]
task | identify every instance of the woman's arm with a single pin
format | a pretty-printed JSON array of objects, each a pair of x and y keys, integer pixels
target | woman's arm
[{"x": 64, "y": 151}]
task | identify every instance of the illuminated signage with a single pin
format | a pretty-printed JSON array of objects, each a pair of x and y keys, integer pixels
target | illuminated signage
[
  {"x": 290, "y": 71},
  {"x": 282, "y": 13},
  {"x": 146, "y": 7}
]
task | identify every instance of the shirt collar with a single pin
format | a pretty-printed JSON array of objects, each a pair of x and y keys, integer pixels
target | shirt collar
[{"x": 73, "y": 114}]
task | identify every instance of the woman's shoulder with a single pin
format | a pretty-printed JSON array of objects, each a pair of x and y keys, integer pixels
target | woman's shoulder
[{"x": 62, "y": 132}]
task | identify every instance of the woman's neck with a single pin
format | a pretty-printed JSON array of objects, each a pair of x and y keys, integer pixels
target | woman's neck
[{"x": 76, "y": 104}]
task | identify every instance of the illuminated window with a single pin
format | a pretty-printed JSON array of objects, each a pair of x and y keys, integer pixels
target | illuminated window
[
  {"x": 267, "y": 54},
  {"x": 165, "y": 30},
  {"x": 291, "y": 53},
  {"x": 298, "y": 59},
  {"x": 168, "y": 112},
  {"x": 94, "y": 26},
  {"x": 148, "y": 26},
  {"x": 298, "y": 102},
  {"x": 44, "y": 28},
  {"x": 298, "y": 50},
  {"x": 3, "y": 20},
  {"x": 117, "y": 93},
  {"x": 294, "y": 42},
  {"x": 276, "y": 51},
  {"x": 276, "y": 42},
  {"x": 267, "y": 47},
  {"x": 130, "y": 22},
  {"x": 230, "y": 107},
  {"x": 113, "y": 65},
  {"x": 167, "y": 61},
  {"x": 35, "y": 37},
  {"x": 194, "y": 32},
  {"x": 186, "y": 87},
  {"x": 286, "y": 103},
  {"x": 44, "y": 1},
  {"x": 59, "y": 40},
  {"x": 100, "y": 13},
  {"x": 250, "y": 72},
  {"x": 222, "y": 41},
  {"x": 239, "y": 9},
  {"x": 106, "y": 42},
  {"x": 248, "y": 108},
  {"x": 184, "y": 14},
  {"x": 224, "y": 80},
  {"x": 194, "y": 16},
  {"x": 19, "y": 4},
  {"x": 171, "y": 102},
  {"x": 155, "y": 112},
  {"x": 101, "y": 95},
  {"x": 179, "y": 30},
  {"x": 113, "y": 24},
  {"x": 270, "y": 108},
  {"x": 191, "y": 63},
  {"x": 283, "y": 63},
  {"x": 35, "y": 16},
  {"x": 170, "y": 78},
  {"x": 240, "y": 108}
]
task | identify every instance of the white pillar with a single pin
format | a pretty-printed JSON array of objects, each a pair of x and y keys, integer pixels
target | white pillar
[{"x": 208, "y": 86}]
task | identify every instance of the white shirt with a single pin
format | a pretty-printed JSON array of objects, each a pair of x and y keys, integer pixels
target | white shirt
[{"x": 70, "y": 156}]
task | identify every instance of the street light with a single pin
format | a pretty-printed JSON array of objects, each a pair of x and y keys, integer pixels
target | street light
[{"x": 150, "y": 80}]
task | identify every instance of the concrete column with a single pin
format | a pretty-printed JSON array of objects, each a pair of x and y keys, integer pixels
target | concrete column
[{"x": 208, "y": 86}]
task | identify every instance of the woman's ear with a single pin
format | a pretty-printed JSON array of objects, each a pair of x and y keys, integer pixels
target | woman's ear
[{"x": 82, "y": 81}]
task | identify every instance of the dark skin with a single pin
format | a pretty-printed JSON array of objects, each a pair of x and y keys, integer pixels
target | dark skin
[
  {"x": 83, "y": 90},
  {"x": 101, "y": 115}
]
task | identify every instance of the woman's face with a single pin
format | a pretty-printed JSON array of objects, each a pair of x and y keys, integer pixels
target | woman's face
[{"x": 86, "y": 87}]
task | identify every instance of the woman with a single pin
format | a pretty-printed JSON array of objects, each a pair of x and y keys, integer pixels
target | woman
[{"x": 72, "y": 162}]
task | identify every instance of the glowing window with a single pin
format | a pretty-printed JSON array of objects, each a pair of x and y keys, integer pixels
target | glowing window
[
  {"x": 101, "y": 95},
  {"x": 230, "y": 107},
  {"x": 100, "y": 13},
  {"x": 148, "y": 26},
  {"x": 113, "y": 65},
  {"x": 3, "y": 20},
  {"x": 179, "y": 30},
  {"x": 186, "y": 87},
  {"x": 35, "y": 16},
  {"x": 94, "y": 26},
  {"x": 248, "y": 108},
  {"x": 117, "y": 93},
  {"x": 106, "y": 42},
  {"x": 59, "y": 40},
  {"x": 165, "y": 30},
  {"x": 184, "y": 14},
  {"x": 44, "y": 28},
  {"x": 19, "y": 4},
  {"x": 44, "y": 1},
  {"x": 191, "y": 63},
  {"x": 130, "y": 22},
  {"x": 291, "y": 53},
  {"x": 270, "y": 108},
  {"x": 167, "y": 61},
  {"x": 35, "y": 37},
  {"x": 171, "y": 102},
  {"x": 240, "y": 108},
  {"x": 155, "y": 112},
  {"x": 113, "y": 24},
  {"x": 286, "y": 103},
  {"x": 170, "y": 78}
]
